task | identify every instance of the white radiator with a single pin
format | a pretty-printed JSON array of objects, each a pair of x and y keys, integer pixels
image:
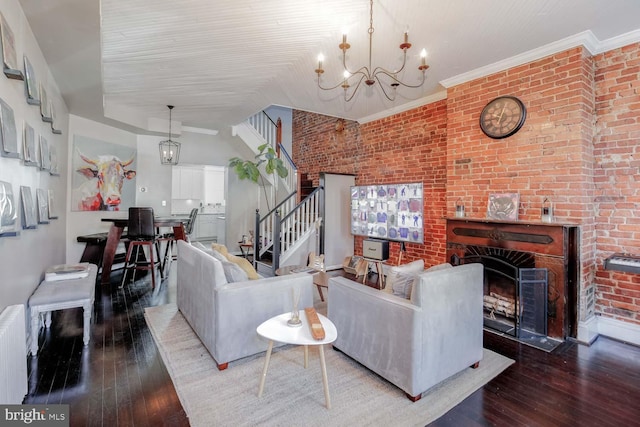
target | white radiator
[{"x": 13, "y": 355}]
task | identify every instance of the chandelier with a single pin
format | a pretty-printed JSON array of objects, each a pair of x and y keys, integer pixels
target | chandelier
[
  {"x": 371, "y": 75},
  {"x": 169, "y": 150}
]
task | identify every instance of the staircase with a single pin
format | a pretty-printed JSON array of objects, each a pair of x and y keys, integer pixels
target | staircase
[{"x": 282, "y": 235}]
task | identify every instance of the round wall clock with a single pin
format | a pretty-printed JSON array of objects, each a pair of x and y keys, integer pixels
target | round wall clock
[{"x": 502, "y": 117}]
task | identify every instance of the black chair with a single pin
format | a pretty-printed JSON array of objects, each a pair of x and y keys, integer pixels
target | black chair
[
  {"x": 169, "y": 254},
  {"x": 141, "y": 232}
]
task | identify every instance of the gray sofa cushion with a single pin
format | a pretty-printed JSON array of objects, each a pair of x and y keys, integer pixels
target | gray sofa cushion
[
  {"x": 232, "y": 272},
  {"x": 402, "y": 285},
  {"x": 413, "y": 267}
]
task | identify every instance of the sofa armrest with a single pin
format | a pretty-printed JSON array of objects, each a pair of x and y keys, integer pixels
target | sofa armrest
[
  {"x": 379, "y": 330},
  {"x": 242, "y": 306}
]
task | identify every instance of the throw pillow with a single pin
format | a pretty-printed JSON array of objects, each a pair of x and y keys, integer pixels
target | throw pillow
[
  {"x": 233, "y": 273},
  {"x": 403, "y": 284},
  {"x": 413, "y": 267},
  {"x": 239, "y": 261}
]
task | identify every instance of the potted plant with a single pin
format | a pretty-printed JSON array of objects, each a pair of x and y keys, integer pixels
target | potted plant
[{"x": 248, "y": 169}]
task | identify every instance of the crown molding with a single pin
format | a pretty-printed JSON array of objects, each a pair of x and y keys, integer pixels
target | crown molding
[
  {"x": 438, "y": 96},
  {"x": 585, "y": 38},
  {"x": 619, "y": 41}
]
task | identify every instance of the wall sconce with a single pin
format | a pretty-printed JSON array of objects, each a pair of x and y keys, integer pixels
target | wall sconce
[
  {"x": 459, "y": 208},
  {"x": 546, "y": 212}
]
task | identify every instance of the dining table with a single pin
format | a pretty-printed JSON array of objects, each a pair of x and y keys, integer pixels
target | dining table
[{"x": 115, "y": 234}]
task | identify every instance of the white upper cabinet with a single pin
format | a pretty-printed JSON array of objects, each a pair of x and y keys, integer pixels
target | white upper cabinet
[
  {"x": 187, "y": 182},
  {"x": 203, "y": 183},
  {"x": 214, "y": 185}
]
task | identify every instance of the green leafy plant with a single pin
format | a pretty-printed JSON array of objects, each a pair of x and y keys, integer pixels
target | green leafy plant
[{"x": 249, "y": 169}]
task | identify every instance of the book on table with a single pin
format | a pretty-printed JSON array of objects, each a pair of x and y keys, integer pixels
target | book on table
[{"x": 66, "y": 272}]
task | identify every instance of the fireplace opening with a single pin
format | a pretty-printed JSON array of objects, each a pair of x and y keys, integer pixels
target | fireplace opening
[{"x": 515, "y": 292}]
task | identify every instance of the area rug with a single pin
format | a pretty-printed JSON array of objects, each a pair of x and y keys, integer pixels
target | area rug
[{"x": 294, "y": 395}]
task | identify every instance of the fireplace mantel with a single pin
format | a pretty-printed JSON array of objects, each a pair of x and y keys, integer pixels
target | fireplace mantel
[
  {"x": 555, "y": 246},
  {"x": 535, "y": 237}
]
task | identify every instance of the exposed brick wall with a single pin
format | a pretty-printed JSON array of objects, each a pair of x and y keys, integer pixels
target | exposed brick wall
[
  {"x": 550, "y": 157},
  {"x": 406, "y": 147},
  {"x": 617, "y": 177},
  {"x": 578, "y": 147}
]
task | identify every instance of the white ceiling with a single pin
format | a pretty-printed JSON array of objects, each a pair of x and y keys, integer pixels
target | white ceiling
[{"x": 219, "y": 61}]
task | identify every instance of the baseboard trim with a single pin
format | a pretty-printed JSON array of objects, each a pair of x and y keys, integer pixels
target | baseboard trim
[{"x": 590, "y": 329}]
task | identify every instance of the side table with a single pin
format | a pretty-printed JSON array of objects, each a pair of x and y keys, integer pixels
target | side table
[
  {"x": 380, "y": 270},
  {"x": 276, "y": 329},
  {"x": 246, "y": 250}
]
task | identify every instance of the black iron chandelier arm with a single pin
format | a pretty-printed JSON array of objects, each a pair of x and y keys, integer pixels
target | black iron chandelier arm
[
  {"x": 396, "y": 80},
  {"x": 348, "y": 98},
  {"x": 329, "y": 87}
]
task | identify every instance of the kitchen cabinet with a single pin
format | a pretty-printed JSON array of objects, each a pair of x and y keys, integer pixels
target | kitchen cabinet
[
  {"x": 206, "y": 226},
  {"x": 187, "y": 182},
  {"x": 210, "y": 226},
  {"x": 214, "y": 185}
]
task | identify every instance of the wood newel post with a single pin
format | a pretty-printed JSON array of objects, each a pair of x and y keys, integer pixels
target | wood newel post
[{"x": 278, "y": 136}]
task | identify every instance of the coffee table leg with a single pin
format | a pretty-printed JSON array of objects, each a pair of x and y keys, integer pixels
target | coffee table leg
[
  {"x": 264, "y": 370},
  {"x": 325, "y": 380},
  {"x": 306, "y": 356}
]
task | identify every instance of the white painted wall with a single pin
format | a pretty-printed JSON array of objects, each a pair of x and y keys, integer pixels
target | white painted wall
[{"x": 24, "y": 258}]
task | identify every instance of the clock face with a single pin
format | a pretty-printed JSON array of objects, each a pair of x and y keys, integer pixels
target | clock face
[{"x": 502, "y": 117}]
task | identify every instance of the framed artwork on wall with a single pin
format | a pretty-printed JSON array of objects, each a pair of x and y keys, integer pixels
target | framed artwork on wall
[
  {"x": 9, "y": 56},
  {"x": 53, "y": 160},
  {"x": 53, "y": 212},
  {"x": 53, "y": 121},
  {"x": 29, "y": 146},
  {"x": 8, "y": 132},
  {"x": 8, "y": 211},
  {"x": 94, "y": 163},
  {"x": 45, "y": 159},
  {"x": 29, "y": 219},
  {"x": 31, "y": 83},
  {"x": 503, "y": 206},
  {"x": 388, "y": 211},
  {"x": 45, "y": 106},
  {"x": 43, "y": 206}
]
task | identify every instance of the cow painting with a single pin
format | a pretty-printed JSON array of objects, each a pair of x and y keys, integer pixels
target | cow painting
[{"x": 103, "y": 189}]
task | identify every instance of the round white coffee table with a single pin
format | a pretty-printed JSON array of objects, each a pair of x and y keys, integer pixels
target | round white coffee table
[{"x": 276, "y": 329}]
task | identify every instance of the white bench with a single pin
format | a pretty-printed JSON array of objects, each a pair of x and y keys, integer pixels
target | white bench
[{"x": 60, "y": 295}]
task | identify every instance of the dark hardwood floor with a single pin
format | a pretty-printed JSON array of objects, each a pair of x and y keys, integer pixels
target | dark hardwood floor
[{"x": 119, "y": 379}]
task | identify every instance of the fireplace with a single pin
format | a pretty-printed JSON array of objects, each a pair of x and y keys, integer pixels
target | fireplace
[
  {"x": 515, "y": 291},
  {"x": 531, "y": 273}
]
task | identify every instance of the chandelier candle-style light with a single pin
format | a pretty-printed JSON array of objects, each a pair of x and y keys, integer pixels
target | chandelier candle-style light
[
  {"x": 371, "y": 75},
  {"x": 169, "y": 150}
]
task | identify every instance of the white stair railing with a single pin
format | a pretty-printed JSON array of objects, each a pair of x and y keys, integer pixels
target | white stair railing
[
  {"x": 298, "y": 222},
  {"x": 267, "y": 224},
  {"x": 265, "y": 127}
]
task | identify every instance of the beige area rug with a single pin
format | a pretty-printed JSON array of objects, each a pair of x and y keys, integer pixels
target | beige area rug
[{"x": 292, "y": 395}]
